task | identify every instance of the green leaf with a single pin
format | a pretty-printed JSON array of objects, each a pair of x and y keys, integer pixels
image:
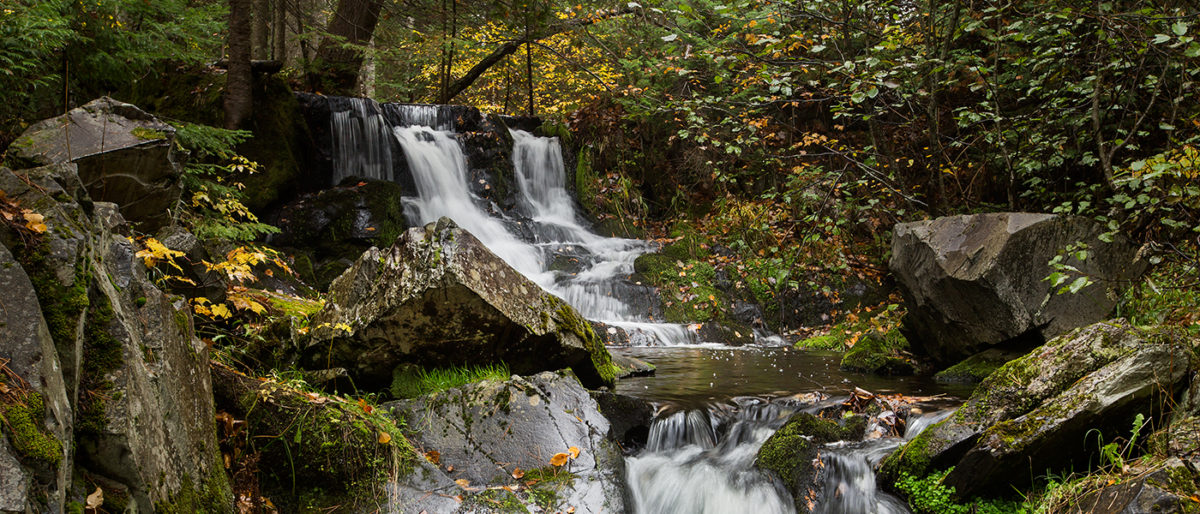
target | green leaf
[
  {"x": 1078, "y": 284},
  {"x": 1161, "y": 38},
  {"x": 1057, "y": 278},
  {"x": 1179, "y": 28}
]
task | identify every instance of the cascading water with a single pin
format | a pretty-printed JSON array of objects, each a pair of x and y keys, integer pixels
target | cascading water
[{"x": 362, "y": 144}]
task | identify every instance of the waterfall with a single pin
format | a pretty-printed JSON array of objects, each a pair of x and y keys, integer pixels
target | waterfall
[{"x": 362, "y": 143}]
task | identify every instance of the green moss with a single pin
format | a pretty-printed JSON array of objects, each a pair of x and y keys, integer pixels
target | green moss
[
  {"x": 211, "y": 497},
  {"x": 790, "y": 451},
  {"x": 830, "y": 341},
  {"x": 149, "y": 134},
  {"x": 602, "y": 371},
  {"x": 686, "y": 288},
  {"x": 102, "y": 354},
  {"x": 74, "y": 508},
  {"x": 972, "y": 369},
  {"x": 23, "y": 422},
  {"x": 61, "y": 304},
  {"x": 879, "y": 354},
  {"x": 912, "y": 458}
]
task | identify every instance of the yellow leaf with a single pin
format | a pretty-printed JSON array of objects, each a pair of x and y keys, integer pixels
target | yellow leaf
[
  {"x": 433, "y": 456},
  {"x": 95, "y": 500},
  {"x": 574, "y": 451},
  {"x": 220, "y": 310},
  {"x": 558, "y": 459},
  {"x": 517, "y": 473},
  {"x": 385, "y": 438}
]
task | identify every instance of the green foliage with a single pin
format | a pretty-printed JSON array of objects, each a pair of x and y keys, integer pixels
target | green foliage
[
  {"x": 927, "y": 495},
  {"x": 412, "y": 381},
  {"x": 212, "y": 186}
]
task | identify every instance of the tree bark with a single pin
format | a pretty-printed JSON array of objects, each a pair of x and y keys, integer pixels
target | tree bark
[
  {"x": 239, "y": 92},
  {"x": 260, "y": 30},
  {"x": 340, "y": 56},
  {"x": 279, "y": 31},
  {"x": 508, "y": 48}
]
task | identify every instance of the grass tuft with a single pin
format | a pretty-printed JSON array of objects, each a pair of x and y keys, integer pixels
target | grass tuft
[{"x": 413, "y": 381}]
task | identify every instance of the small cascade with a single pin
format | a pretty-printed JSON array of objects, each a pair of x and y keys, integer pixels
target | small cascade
[
  {"x": 437, "y": 117},
  {"x": 917, "y": 423},
  {"x": 688, "y": 468},
  {"x": 361, "y": 142},
  {"x": 849, "y": 480}
]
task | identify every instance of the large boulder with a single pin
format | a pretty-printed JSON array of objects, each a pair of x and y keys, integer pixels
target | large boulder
[
  {"x": 1166, "y": 489},
  {"x": 1036, "y": 412},
  {"x": 499, "y": 439},
  {"x": 438, "y": 297},
  {"x": 123, "y": 154},
  {"x": 977, "y": 281},
  {"x": 116, "y": 374}
]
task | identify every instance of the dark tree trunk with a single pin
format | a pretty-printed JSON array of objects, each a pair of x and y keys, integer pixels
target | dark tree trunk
[
  {"x": 239, "y": 80},
  {"x": 340, "y": 56},
  {"x": 260, "y": 31},
  {"x": 279, "y": 31}
]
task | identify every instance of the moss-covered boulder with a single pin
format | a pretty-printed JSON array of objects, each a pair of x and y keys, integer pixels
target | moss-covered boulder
[
  {"x": 505, "y": 434},
  {"x": 439, "y": 298},
  {"x": 879, "y": 354},
  {"x": 123, "y": 154},
  {"x": 1166, "y": 487},
  {"x": 791, "y": 453},
  {"x": 690, "y": 292},
  {"x": 972, "y": 282},
  {"x": 975, "y": 368},
  {"x": 1041, "y": 407}
]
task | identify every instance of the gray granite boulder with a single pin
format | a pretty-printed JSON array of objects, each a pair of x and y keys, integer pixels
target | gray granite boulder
[{"x": 976, "y": 281}]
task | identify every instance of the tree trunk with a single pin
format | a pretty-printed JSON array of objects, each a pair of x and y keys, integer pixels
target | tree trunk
[
  {"x": 340, "y": 56},
  {"x": 259, "y": 31},
  {"x": 239, "y": 92},
  {"x": 279, "y": 32}
]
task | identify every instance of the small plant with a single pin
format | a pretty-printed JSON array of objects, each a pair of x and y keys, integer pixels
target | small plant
[
  {"x": 412, "y": 381},
  {"x": 211, "y": 181},
  {"x": 927, "y": 495}
]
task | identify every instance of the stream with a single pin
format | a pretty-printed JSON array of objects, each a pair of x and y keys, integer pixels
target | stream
[{"x": 716, "y": 405}]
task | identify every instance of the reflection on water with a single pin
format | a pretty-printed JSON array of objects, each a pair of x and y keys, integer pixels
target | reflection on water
[{"x": 696, "y": 376}]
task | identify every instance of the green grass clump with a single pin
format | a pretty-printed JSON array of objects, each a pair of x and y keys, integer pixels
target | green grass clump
[
  {"x": 414, "y": 381},
  {"x": 927, "y": 495}
]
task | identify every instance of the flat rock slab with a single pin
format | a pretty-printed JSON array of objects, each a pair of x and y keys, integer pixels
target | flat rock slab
[{"x": 484, "y": 432}]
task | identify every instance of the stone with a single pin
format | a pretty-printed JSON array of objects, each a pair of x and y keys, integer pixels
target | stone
[
  {"x": 1169, "y": 489},
  {"x": 975, "y": 368},
  {"x": 1035, "y": 412},
  {"x": 338, "y": 224},
  {"x": 629, "y": 418},
  {"x": 488, "y": 430},
  {"x": 629, "y": 366},
  {"x": 879, "y": 355},
  {"x": 123, "y": 154},
  {"x": 972, "y": 282},
  {"x": 438, "y": 298},
  {"x": 790, "y": 453}
]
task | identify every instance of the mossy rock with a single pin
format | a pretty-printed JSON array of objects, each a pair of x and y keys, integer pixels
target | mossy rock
[
  {"x": 975, "y": 368},
  {"x": 880, "y": 355},
  {"x": 790, "y": 451}
]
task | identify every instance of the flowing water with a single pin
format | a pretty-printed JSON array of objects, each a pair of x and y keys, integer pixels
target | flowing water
[{"x": 717, "y": 405}]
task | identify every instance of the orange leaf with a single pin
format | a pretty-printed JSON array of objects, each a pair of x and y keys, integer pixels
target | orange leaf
[
  {"x": 385, "y": 438},
  {"x": 433, "y": 456},
  {"x": 517, "y": 473},
  {"x": 558, "y": 459},
  {"x": 574, "y": 451}
]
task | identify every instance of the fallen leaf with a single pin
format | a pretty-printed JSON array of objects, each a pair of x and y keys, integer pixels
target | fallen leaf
[
  {"x": 385, "y": 438},
  {"x": 571, "y": 510},
  {"x": 95, "y": 500},
  {"x": 433, "y": 456},
  {"x": 574, "y": 451},
  {"x": 558, "y": 459},
  {"x": 517, "y": 473}
]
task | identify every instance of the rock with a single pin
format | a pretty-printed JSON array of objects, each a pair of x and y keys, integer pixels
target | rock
[
  {"x": 879, "y": 355},
  {"x": 791, "y": 451},
  {"x": 1170, "y": 489},
  {"x": 628, "y": 417},
  {"x": 131, "y": 381},
  {"x": 439, "y": 298},
  {"x": 337, "y": 225},
  {"x": 123, "y": 154},
  {"x": 488, "y": 430},
  {"x": 628, "y": 366},
  {"x": 342, "y": 455},
  {"x": 34, "y": 406},
  {"x": 1180, "y": 439},
  {"x": 976, "y": 281},
  {"x": 1035, "y": 412},
  {"x": 975, "y": 368}
]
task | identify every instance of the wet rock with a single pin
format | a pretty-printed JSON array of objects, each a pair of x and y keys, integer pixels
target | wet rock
[
  {"x": 628, "y": 416},
  {"x": 879, "y": 355},
  {"x": 337, "y": 225},
  {"x": 628, "y": 366},
  {"x": 123, "y": 154},
  {"x": 1167, "y": 490},
  {"x": 485, "y": 432},
  {"x": 792, "y": 453},
  {"x": 439, "y": 298},
  {"x": 975, "y": 368},
  {"x": 1039, "y": 408},
  {"x": 976, "y": 281}
]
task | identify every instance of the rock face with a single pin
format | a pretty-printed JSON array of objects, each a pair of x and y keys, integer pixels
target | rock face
[
  {"x": 107, "y": 374},
  {"x": 485, "y": 432},
  {"x": 438, "y": 297},
  {"x": 976, "y": 281},
  {"x": 1036, "y": 412},
  {"x": 123, "y": 154},
  {"x": 334, "y": 227},
  {"x": 1167, "y": 490}
]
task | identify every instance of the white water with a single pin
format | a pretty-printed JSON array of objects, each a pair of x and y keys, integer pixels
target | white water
[{"x": 361, "y": 146}]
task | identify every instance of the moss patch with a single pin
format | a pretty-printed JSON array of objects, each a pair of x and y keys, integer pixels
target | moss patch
[
  {"x": 790, "y": 451},
  {"x": 879, "y": 354},
  {"x": 22, "y": 415},
  {"x": 686, "y": 287},
  {"x": 102, "y": 354},
  {"x": 973, "y": 369},
  {"x": 148, "y": 134},
  {"x": 912, "y": 458},
  {"x": 602, "y": 372},
  {"x": 211, "y": 497}
]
